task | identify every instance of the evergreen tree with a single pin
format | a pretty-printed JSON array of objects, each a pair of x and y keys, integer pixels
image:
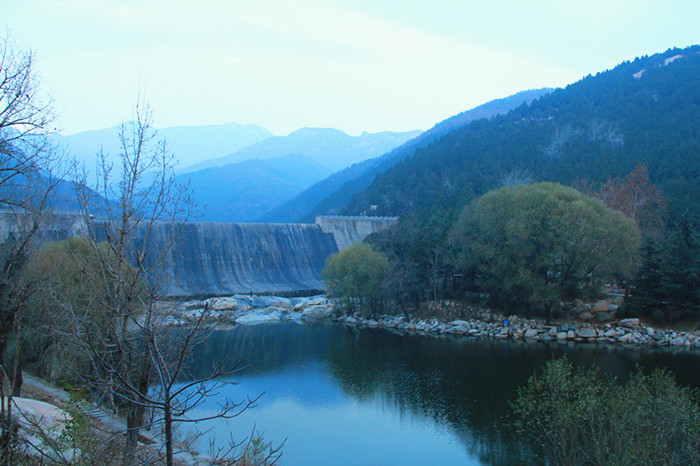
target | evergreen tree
[
  {"x": 650, "y": 291},
  {"x": 683, "y": 271}
]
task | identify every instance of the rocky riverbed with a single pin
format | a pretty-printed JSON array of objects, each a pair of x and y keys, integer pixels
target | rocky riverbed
[{"x": 252, "y": 309}]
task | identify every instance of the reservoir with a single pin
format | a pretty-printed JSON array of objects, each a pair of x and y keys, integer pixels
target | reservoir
[{"x": 360, "y": 396}]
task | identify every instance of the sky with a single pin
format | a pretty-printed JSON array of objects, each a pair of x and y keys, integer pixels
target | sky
[{"x": 354, "y": 65}]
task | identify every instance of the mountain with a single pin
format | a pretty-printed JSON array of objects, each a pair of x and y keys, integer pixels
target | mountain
[
  {"x": 331, "y": 148},
  {"x": 189, "y": 144},
  {"x": 241, "y": 192},
  {"x": 641, "y": 112},
  {"x": 332, "y": 194}
]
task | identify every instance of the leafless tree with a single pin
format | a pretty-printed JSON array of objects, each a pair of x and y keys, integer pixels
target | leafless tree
[
  {"x": 138, "y": 362},
  {"x": 27, "y": 163}
]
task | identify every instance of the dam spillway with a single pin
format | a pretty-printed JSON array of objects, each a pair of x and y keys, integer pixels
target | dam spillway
[
  {"x": 227, "y": 258},
  {"x": 230, "y": 258}
]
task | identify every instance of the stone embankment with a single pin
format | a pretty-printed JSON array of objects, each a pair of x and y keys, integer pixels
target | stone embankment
[
  {"x": 627, "y": 331},
  {"x": 251, "y": 310}
]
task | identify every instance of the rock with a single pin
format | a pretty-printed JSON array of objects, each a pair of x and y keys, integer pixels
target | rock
[
  {"x": 459, "y": 330},
  {"x": 283, "y": 303},
  {"x": 570, "y": 334},
  {"x": 602, "y": 316},
  {"x": 372, "y": 323},
  {"x": 610, "y": 333},
  {"x": 531, "y": 333},
  {"x": 254, "y": 318},
  {"x": 351, "y": 320},
  {"x": 222, "y": 304},
  {"x": 587, "y": 332},
  {"x": 458, "y": 322},
  {"x": 626, "y": 338},
  {"x": 650, "y": 331},
  {"x": 629, "y": 323},
  {"x": 585, "y": 315},
  {"x": 195, "y": 304},
  {"x": 562, "y": 336},
  {"x": 317, "y": 312},
  {"x": 601, "y": 306},
  {"x": 564, "y": 328},
  {"x": 317, "y": 301}
]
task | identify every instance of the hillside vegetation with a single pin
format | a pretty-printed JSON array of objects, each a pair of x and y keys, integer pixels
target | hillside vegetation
[{"x": 645, "y": 111}]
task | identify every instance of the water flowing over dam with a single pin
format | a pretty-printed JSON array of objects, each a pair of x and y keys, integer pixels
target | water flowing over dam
[{"x": 229, "y": 258}]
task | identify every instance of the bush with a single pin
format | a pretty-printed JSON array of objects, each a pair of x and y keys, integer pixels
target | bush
[
  {"x": 354, "y": 276},
  {"x": 580, "y": 417}
]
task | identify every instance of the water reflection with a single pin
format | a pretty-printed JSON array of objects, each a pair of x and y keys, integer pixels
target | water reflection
[{"x": 344, "y": 395}]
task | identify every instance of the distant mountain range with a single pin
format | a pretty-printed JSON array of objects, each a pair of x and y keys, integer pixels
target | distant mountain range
[
  {"x": 243, "y": 191},
  {"x": 329, "y": 147},
  {"x": 189, "y": 144},
  {"x": 260, "y": 171},
  {"x": 330, "y": 195}
]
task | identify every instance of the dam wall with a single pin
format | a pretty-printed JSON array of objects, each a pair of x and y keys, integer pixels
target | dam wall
[
  {"x": 229, "y": 258},
  {"x": 350, "y": 230}
]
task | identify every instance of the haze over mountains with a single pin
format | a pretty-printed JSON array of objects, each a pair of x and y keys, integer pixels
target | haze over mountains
[
  {"x": 644, "y": 111},
  {"x": 260, "y": 171},
  {"x": 190, "y": 144}
]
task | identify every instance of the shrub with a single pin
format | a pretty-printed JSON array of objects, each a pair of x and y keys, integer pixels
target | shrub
[{"x": 580, "y": 417}]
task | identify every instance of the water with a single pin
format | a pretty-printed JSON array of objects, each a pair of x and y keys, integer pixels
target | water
[{"x": 346, "y": 396}]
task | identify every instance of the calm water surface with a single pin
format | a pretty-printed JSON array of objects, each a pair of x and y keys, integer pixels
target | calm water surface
[{"x": 350, "y": 396}]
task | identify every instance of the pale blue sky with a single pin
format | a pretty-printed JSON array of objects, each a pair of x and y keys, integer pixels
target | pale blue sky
[{"x": 350, "y": 64}]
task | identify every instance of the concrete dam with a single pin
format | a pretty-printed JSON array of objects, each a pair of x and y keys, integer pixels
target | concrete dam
[{"x": 229, "y": 258}]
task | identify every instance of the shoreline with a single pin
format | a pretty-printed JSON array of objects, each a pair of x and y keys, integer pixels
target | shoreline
[{"x": 254, "y": 310}]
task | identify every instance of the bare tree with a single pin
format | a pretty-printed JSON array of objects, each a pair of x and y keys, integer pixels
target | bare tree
[
  {"x": 27, "y": 161},
  {"x": 138, "y": 362}
]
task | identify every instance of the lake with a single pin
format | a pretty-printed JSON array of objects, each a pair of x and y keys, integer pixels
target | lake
[{"x": 361, "y": 396}]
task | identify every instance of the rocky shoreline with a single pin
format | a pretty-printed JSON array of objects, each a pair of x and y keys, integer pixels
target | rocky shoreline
[{"x": 252, "y": 310}]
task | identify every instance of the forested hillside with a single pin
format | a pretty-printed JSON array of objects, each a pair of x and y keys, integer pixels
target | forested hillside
[{"x": 641, "y": 112}]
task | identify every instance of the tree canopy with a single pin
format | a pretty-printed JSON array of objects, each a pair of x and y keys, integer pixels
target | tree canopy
[
  {"x": 537, "y": 244},
  {"x": 355, "y": 276}
]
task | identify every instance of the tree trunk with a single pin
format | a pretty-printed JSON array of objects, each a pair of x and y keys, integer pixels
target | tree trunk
[
  {"x": 168, "y": 432},
  {"x": 134, "y": 418}
]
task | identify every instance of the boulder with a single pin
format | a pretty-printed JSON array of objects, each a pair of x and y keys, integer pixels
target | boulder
[
  {"x": 222, "y": 304},
  {"x": 458, "y": 330},
  {"x": 531, "y": 333},
  {"x": 602, "y": 316},
  {"x": 626, "y": 338},
  {"x": 601, "y": 306},
  {"x": 254, "y": 318},
  {"x": 458, "y": 322},
  {"x": 587, "y": 332},
  {"x": 629, "y": 323},
  {"x": 585, "y": 315},
  {"x": 194, "y": 304}
]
